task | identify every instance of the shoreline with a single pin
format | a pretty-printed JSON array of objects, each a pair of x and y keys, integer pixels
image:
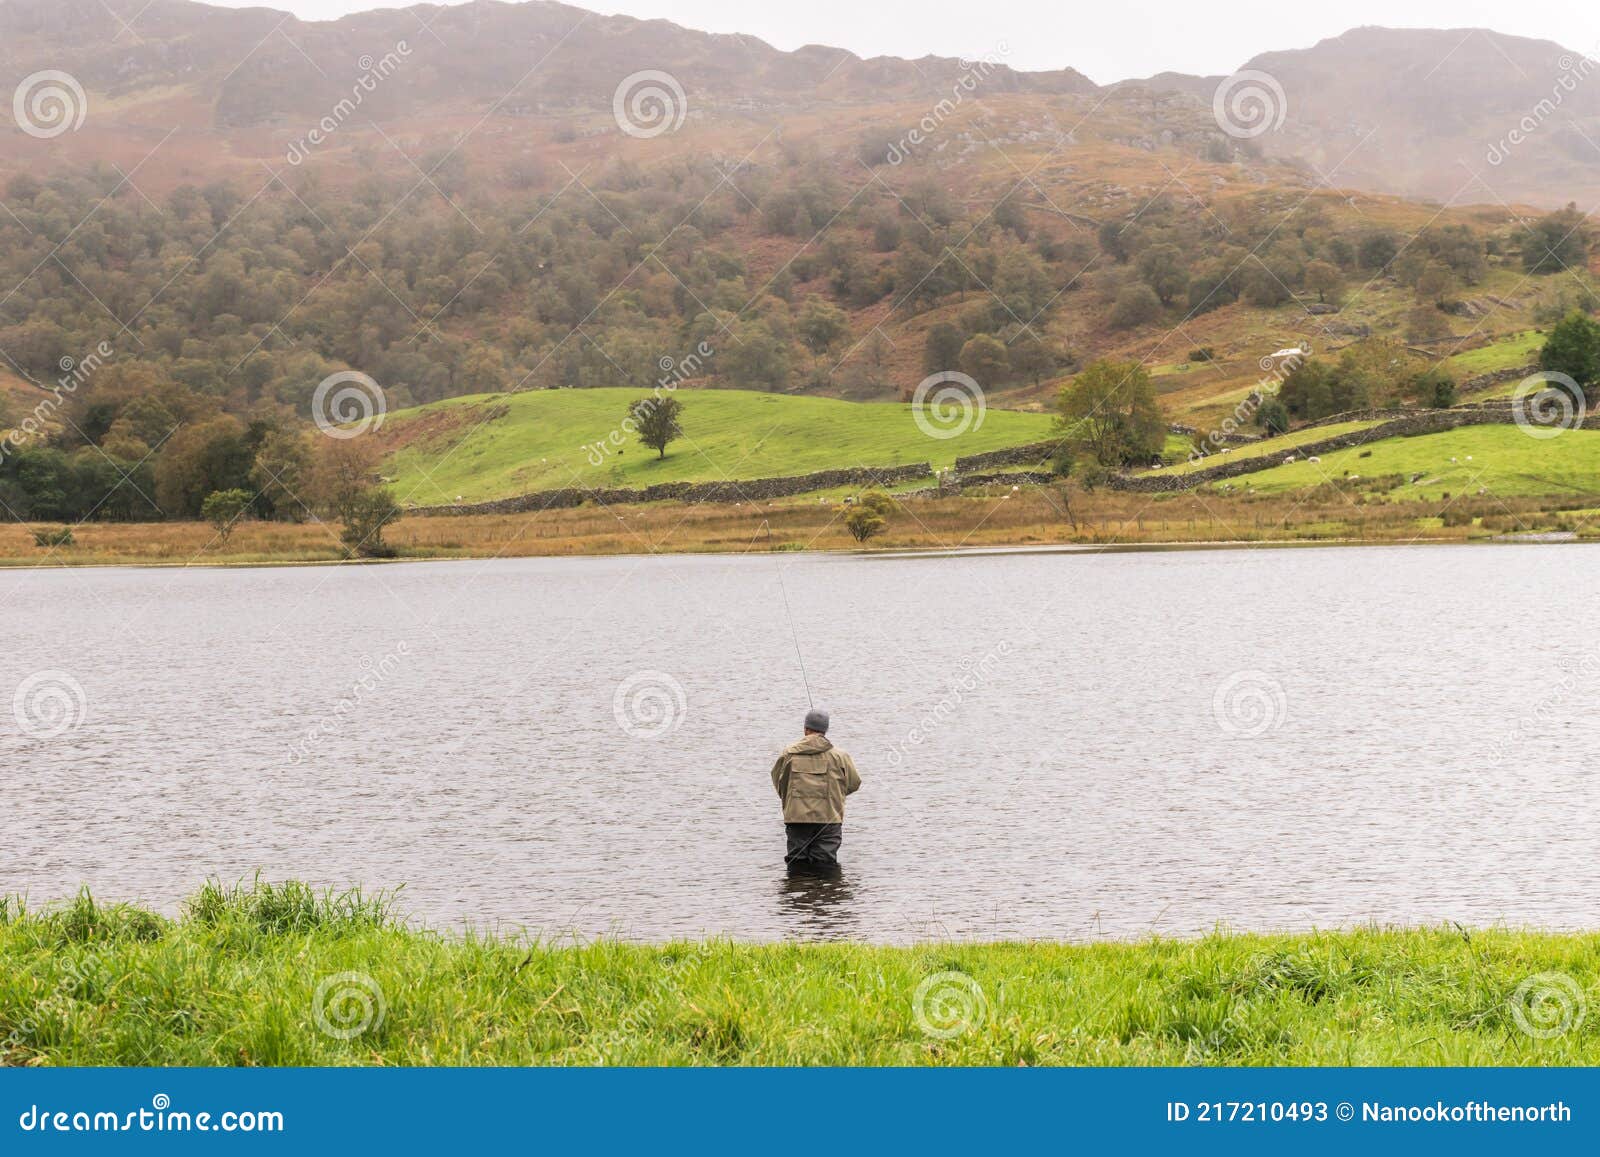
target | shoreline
[
  {"x": 899, "y": 553},
  {"x": 282, "y": 975}
]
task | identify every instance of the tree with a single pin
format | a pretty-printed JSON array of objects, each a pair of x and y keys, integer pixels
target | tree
[
  {"x": 1556, "y": 242},
  {"x": 1214, "y": 285},
  {"x": 985, "y": 360},
  {"x": 1432, "y": 387},
  {"x": 759, "y": 358},
  {"x": 1273, "y": 417},
  {"x": 869, "y": 517},
  {"x": 342, "y": 470},
  {"x": 941, "y": 350},
  {"x": 279, "y": 474},
  {"x": 655, "y": 421},
  {"x": 343, "y": 484},
  {"x": 1573, "y": 348},
  {"x": 1377, "y": 250},
  {"x": 1324, "y": 279},
  {"x": 223, "y": 508},
  {"x": 1033, "y": 357},
  {"x": 1163, "y": 270},
  {"x": 1264, "y": 285},
  {"x": 1113, "y": 241},
  {"x": 482, "y": 371},
  {"x": 365, "y": 517},
  {"x": 1110, "y": 414},
  {"x": 198, "y": 460},
  {"x": 822, "y": 326},
  {"x": 1436, "y": 283},
  {"x": 1135, "y": 305}
]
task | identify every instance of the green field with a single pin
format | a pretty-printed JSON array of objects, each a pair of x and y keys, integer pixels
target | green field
[
  {"x": 1519, "y": 349},
  {"x": 496, "y": 446},
  {"x": 1502, "y": 459},
  {"x": 280, "y": 976},
  {"x": 1264, "y": 449}
]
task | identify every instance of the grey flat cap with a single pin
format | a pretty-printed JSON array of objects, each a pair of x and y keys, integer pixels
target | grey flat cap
[{"x": 817, "y": 720}]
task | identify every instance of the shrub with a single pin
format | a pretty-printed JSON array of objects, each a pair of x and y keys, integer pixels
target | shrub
[
  {"x": 45, "y": 536},
  {"x": 1135, "y": 306}
]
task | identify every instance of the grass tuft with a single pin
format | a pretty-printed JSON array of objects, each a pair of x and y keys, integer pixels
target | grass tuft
[{"x": 290, "y": 907}]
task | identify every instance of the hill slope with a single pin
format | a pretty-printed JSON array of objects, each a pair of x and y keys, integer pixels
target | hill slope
[{"x": 1432, "y": 112}]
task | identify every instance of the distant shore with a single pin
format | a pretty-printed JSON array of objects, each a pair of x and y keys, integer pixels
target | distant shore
[{"x": 998, "y": 517}]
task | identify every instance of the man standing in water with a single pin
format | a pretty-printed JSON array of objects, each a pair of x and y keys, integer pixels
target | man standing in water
[{"x": 812, "y": 778}]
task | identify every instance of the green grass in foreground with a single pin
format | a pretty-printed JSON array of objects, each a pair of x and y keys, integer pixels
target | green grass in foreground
[
  {"x": 1504, "y": 460},
  {"x": 539, "y": 440},
  {"x": 281, "y": 976}
]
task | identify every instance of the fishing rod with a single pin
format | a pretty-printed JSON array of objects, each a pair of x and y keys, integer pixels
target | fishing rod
[
  {"x": 798, "y": 656},
  {"x": 788, "y": 613}
]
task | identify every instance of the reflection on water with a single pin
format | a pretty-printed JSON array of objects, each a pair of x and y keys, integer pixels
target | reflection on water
[
  {"x": 1052, "y": 745},
  {"x": 815, "y": 901}
]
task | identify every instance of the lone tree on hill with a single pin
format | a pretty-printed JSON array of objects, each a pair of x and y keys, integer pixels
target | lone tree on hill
[{"x": 655, "y": 420}]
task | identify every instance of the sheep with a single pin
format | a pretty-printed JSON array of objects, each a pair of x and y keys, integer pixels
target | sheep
[{"x": 1313, "y": 458}]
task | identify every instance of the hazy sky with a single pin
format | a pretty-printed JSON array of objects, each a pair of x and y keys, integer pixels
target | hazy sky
[{"x": 1108, "y": 41}]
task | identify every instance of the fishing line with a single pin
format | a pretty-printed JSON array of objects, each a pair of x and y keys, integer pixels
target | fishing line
[{"x": 796, "y": 634}]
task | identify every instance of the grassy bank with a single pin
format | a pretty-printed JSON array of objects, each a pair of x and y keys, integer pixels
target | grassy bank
[
  {"x": 1504, "y": 461},
  {"x": 273, "y": 976}
]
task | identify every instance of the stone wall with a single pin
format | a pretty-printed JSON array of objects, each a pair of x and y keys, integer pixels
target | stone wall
[
  {"x": 1369, "y": 415},
  {"x": 1423, "y": 422},
  {"x": 1008, "y": 478},
  {"x": 1033, "y": 454},
  {"x": 1484, "y": 381},
  {"x": 743, "y": 490}
]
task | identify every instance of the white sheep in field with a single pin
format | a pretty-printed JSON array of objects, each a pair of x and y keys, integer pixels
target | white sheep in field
[
  {"x": 1227, "y": 449},
  {"x": 1313, "y": 458},
  {"x": 1288, "y": 460}
]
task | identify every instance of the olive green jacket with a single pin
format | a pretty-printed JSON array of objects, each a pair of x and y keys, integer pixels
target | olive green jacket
[{"x": 812, "y": 778}]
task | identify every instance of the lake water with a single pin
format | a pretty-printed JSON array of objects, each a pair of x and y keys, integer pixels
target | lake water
[{"x": 1067, "y": 745}]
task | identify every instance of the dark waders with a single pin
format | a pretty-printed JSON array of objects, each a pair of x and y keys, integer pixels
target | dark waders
[{"x": 813, "y": 845}]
